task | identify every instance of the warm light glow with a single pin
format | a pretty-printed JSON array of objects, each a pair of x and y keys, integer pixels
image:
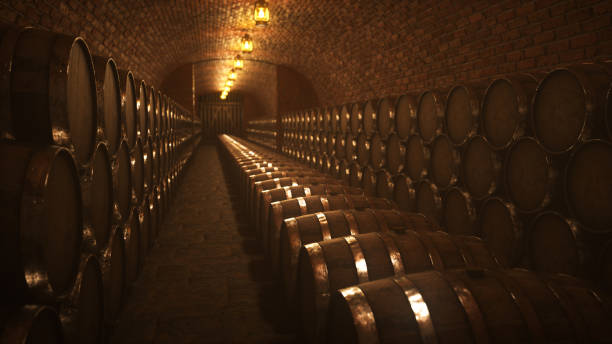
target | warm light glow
[
  {"x": 232, "y": 75},
  {"x": 238, "y": 62},
  {"x": 223, "y": 96},
  {"x": 229, "y": 83},
  {"x": 226, "y": 89},
  {"x": 246, "y": 44},
  {"x": 261, "y": 13}
]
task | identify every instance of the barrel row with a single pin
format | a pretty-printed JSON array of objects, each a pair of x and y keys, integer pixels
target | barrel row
[
  {"x": 85, "y": 182},
  {"x": 263, "y": 132},
  {"x": 480, "y": 159}
]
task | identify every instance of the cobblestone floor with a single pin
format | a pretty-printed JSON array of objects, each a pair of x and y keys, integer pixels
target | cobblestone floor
[{"x": 205, "y": 281}]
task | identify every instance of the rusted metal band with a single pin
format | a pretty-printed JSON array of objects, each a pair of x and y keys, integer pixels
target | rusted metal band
[
  {"x": 295, "y": 241},
  {"x": 324, "y": 203},
  {"x": 361, "y": 265},
  {"x": 470, "y": 307},
  {"x": 277, "y": 182},
  {"x": 324, "y": 225},
  {"x": 321, "y": 281},
  {"x": 419, "y": 308},
  {"x": 434, "y": 256},
  {"x": 351, "y": 222},
  {"x": 307, "y": 191},
  {"x": 380, "y": 220},
  {"x": 288, "y": 192},
  {"x": 302, "y": 204},
  {"x": 363, "y": 317},
  {"x": 467, "y": 258},
  {"x": 394, "y": 255}
]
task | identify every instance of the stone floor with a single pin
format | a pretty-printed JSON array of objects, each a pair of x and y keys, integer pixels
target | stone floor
[{"x": 205, "y": 281}]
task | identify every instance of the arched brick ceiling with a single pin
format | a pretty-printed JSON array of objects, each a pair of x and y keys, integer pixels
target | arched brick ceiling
[{"x": 348, "y": 49}]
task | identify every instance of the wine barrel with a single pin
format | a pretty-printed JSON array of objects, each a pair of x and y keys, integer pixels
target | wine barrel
[
  {"x": 459, "y": 212},
  {"x": 344, "y": 172},
  {"x": 345, "y": 119},
  {"x": 322, "y": 142},
  {"x": 430, "y": 115},
  {"x": 138, "y": 171},
  {"x": 386, "y": 117},
  {"x": 428, "y": 200},
  {"x": 370, "y": 117},
  {"x": 156, "y": 215},
  {"x": 129, "y": 112},
  {"x": 41, "y": 221},
  {"x": 588, "y": 185},
  {"x": 360, "y": 258},
  {"x": 307, "y": 229},
  {"x": 480, "y": 168},
  {"x": 82, "y": 312},
  {"x": 154, "y": 161},
  {"x": 356, "y": 119},
  {"x": 364, "y": 147},
  {"x": 395, "y": 154},
  {"x": 417, "y": 158},
  {"x": 378, "y": 152},
  {"x": 331, "y": 143},
  {"x": 147, "y": 157},
  {"x": 32, "y": 324},
  {"x": 462, "y": 113},
  {"x": 569, "y": 106},
  {"x": 131, "y": 240},
  {"x": 554, "y": 245},
  {"x": 340, "y": 149},
  {"x": 403, "y": 193},
  {"x": 505, "y": 109},
  {"x": 334, "y": 119},
  {"x": 355, "y": 174},
  {"x": 405, "y": 116},
  {"x": 144, "y": 224},
  {"x": 112, "y": 265},
  {"x": 501, "y": 227},
  {"x": 309, "y": 205},
  {"x": 368, "y": 180},
  {"x": 529, "y": 175},
  {"x": 445, "y": 162},
  {"x": 108, "y": 93},
  {"x": 513, "y": 306},
  {"x": 97, "y": 195},
  {"x": 52, "y": 90},
  {"x": 122, "y": 180},
  {"x": 350, "y": 146},
  {"x": 142, "y": 106},
  {"x": 384, "y": 184},
  {"x": 152, "y": 102}
]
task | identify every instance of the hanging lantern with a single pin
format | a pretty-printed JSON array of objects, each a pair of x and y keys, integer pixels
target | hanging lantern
[
  {"x": 261, "y": 13},
  {"x": 223, "y": 96},
  {"x": 232, "y": 75},
  {"x": 227, "y": 89},
  {"x": 246, "y": 44},
  {"x": 238, "y": 62},
  {"x": 229, "y": 83}
]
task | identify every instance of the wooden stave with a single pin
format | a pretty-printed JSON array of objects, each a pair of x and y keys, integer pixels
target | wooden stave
[
  {"x": 495, "y": 181},
  {"x": 437, "y": 116},
  {"x": 109, "y": 123},
  {"x": 402, "y": 119},
  {"x": 356, "y": 118},
  {"x": 474, "y": 93},
  {"x": 395, "y": 154},
  {"x": 452, "y": 165},
  {"x": 129, "y": 107},
  {"x": 512, "y": 256}
]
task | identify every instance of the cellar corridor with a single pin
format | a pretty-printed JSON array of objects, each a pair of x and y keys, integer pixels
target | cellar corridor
[{"x": 205, "y": 280}]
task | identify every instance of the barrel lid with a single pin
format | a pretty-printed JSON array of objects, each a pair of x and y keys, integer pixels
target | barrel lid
[
  {"x": 417, "y": 158},
  {"x": 459, "y": 212},
  {"x": 430, "y": 115},
  {"x": 503, "y": 231},
  {"x": 462, "y": 113},
  {"x": 481, "y": 167},
  {"x": 356, "y": 118},
  {"x": 405, "y": 115}
]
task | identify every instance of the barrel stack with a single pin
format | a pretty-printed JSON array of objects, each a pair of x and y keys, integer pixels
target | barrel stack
[
  {"x": 85, "y": 166},
  {"x": 510, "y": 180}
]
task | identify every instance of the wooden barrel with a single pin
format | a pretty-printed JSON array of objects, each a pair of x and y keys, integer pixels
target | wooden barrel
[
  {"x": 122, "y": 180},
  {"x": 356, "y": 119},
  {"x": 480, "y": 168},
  {"x": 530, "y": 176},
  {"x": 142, "y": 106},
  {"x": 355, "y": 174},
  {"x": 48, "y": 104},
  {"x": 459, "y": 212},
  {"x": 41, "y": 221},
  {"x": 370, "y": 117},
  {"x": 345, "y": 119},
  {"x": 445, "y": 163},
  {"x": 501, "y": 227},
  {"x": 138, "y": 171},
  {"x": 300, "y": 206},
  {"x": 588, "y": 185},
  {"x": 154, "y": 160},
  {"x": 384, "y": 184},
  {"x": 322, "y": 141},
  {"x": 131, "y": 240},
  {"x": 364, "y": 147},
  {"x": 334, "y": 119},
  {"x": 32, "y": 324},
  {"x": 129, "y": 113},
  {"x": 360, "y": 258},
  {"x": 417, "y": 158},
  {"x": 144, "y": 224},
  {"x": 350, "y": 146},
  {"x": 513, "y": 306},
  {"x": 108, "y": 92},
  {"x": 506, "y": 108},
  {"x": 112, "y": 264},
  {"x": 152, "y": 109},
  {"x": 428, "y": 200},
  {"x": 368, "y": 180},
  {"x": 554, "y": 245},
  {"x": 156, "y": 215},
  {"x": 147, "y": 157},
  {"x": 378, "y": 152},
  {"x": 386, "y": 117},
  {"x": 340, "y": 149},
  {"x": 307, "y": 229},
  {"x": 403, "y": 193},
  {"x": 430, "y": 115},
  {"x": 405, "y": 115},
  {"x": 82, "y": 312},
  {"x": 462, "y": 112},
  {"x": 331, "y": 143},
  {"x": 569, "y": 106},
  {"x": 395, "y": 154},
  {"x": 344, "y": 171},
  {"x": 97, "y": 195}
]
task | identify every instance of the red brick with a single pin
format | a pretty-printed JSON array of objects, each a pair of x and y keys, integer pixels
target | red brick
[
  {"x": 534, "y": 51},
  {"x": 571, "y": 55},
  {"x": 543, "y": 37},
  {"x": 583, "y": 40}
]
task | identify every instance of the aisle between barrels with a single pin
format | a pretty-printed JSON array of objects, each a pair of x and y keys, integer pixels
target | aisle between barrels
[{"x": 205, "y": 281}]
